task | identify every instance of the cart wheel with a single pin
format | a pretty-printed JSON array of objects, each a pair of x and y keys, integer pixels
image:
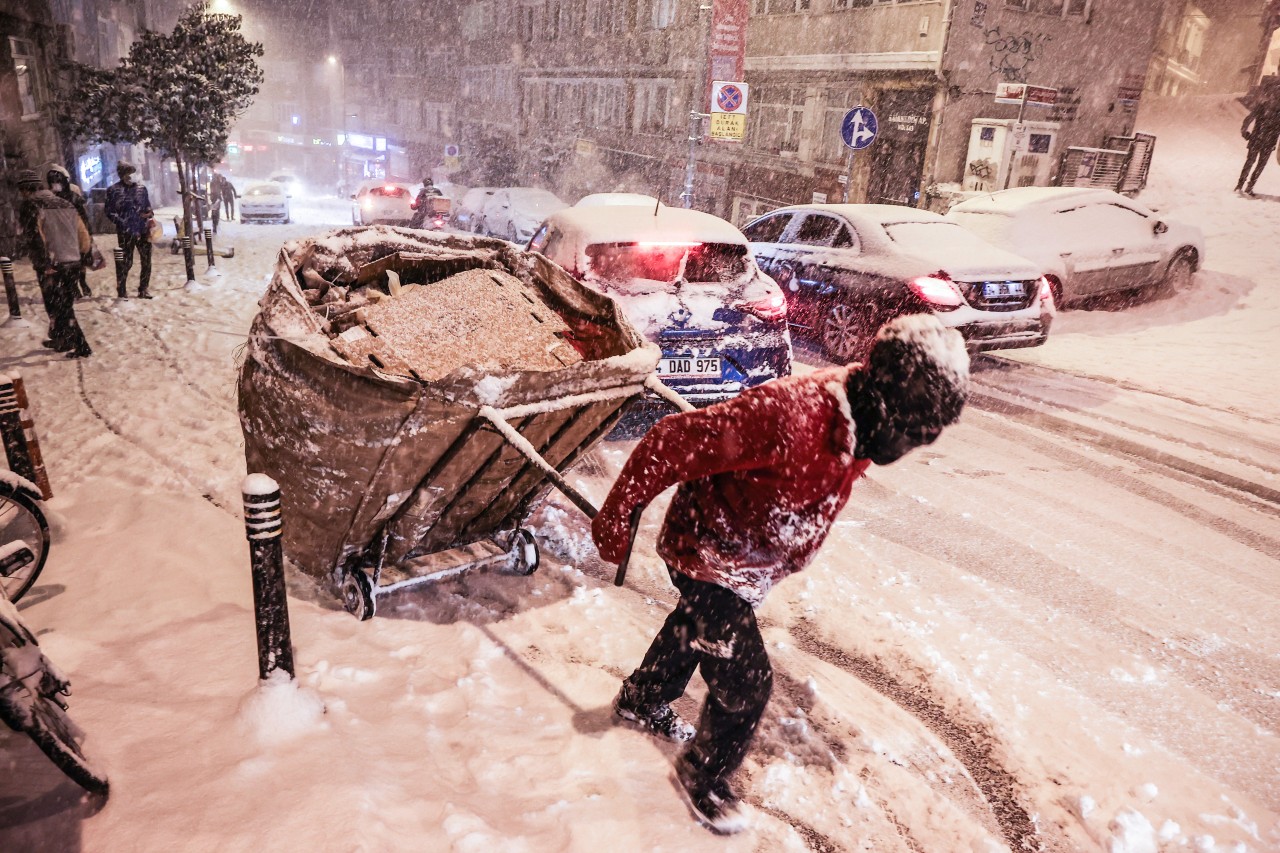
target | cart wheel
[
  {"x": 357, "y": 595},
  {"x": 523, "y": 552}
]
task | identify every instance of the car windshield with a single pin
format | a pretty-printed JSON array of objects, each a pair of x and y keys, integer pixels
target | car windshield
[
  {"x": 934, "y": 236},
  {"x": 619, "y": 263},
  {"x": 263, "y": 190},
  {"x": 992, "y": 227}
]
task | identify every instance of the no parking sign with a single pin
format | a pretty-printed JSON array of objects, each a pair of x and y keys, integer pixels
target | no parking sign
[{"x": 728, "y": 111}]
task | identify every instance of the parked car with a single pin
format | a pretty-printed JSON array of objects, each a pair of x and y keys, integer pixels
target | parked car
[
  {"x": 382, "y": 203},
  {"x": 686, "y": 280},
  {"x": 288, "y": 180},
  {"x": 846, "y": 269},
  {"x": 265, "y": 202},
  {"x": 1088, "y": 241},
  {"x": 514, "y": 214},
  {"x": 606, "y": 199},
  {"x": 469, "y": 206}
]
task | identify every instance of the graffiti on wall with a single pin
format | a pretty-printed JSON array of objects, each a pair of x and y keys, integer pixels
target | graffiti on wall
[{"x": 1012, "y": 55}]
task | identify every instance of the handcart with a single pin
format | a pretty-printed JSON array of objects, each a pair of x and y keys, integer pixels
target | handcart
[{"x": 399, "y": 469}]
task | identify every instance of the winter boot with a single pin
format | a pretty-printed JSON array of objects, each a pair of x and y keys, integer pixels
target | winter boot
[
  {"x": 143, "y": 294},
  {"x": 710, "y": 799},
  {"x": 660, "y": 719}
]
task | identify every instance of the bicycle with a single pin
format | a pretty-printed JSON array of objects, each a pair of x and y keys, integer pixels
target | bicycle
[
  {"x": 24, "y": 536},
  {"x": 31, "y": 687}
]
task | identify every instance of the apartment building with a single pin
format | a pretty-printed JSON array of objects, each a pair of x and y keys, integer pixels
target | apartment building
[{"x": 588, "y": 96}]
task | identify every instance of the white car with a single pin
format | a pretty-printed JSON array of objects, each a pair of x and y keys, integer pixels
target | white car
[
  {"x": 1088, "y": 241},
  {"x": 514, "y": 214},
  {"x": 607, "y": 199},
  {"x": 382, "y": 203},
  {"x": 288, "y": 180},
  {"x": 847, "y": 269},
  {"x": 686, "y": 280},
  {"x": 265, "y": 202},
  {"x": 467, "y": 208}
]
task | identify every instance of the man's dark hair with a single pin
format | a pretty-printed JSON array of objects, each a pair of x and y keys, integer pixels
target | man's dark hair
[{"x": 917, "y": 373}]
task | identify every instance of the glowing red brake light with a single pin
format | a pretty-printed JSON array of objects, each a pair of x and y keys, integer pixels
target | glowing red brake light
[
  {"x": 937, "y": 291},
  {"x": 658, "y": 244},
  {"x": 770, "y": 309}
]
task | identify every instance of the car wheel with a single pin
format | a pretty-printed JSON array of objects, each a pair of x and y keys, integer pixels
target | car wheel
[
  {"x": 477, "y": 226},
  {"x": 1177, "y": 278},
  {"x": 842, "y": 335}
]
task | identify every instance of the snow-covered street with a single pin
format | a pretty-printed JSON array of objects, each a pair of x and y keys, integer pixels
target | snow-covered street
[{"x": 1053, "y": 629}]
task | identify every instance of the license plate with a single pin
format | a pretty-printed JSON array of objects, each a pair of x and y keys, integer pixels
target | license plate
[
  {"x": 689, "y": 367},
  {"x": 994, "y": 289}
]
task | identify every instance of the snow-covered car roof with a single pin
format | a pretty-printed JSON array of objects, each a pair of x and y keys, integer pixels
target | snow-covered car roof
[
  {"x": 879, "y": 214},
  {"x": 1019, "y": 200},
  {"x": 640, "y": 224},
  {"x": 607, "y": 199}
]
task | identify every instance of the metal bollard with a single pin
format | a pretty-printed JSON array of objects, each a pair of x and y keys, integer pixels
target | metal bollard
[
  {"x": 118, "y": 252},
  {"x": 263, "y": 523},
  {"x": 15, "y": 445},
  {"x": 208, "y": 245},
  {"x": 188, "y": 257},
  {"x": 32, "y": 442},
  {"x": 10, "y": 289}
]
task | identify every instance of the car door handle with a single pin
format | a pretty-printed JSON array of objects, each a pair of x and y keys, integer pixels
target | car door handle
[{"x": 1117, "y": 251}]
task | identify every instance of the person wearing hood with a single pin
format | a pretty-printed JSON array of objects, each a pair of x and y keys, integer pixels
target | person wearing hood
[
  {"x": 129, "y": 207},
  {"x": 761, "y": 478},
  {"x": 58, "y": 243},
  {"x": 59, "y": 181}
]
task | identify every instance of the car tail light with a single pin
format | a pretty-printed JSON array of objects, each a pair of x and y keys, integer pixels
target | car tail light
[
  {"x": 770, "y": 309},
  {"x": 439, "y": 221},
  {"x": 937, "y": 291}
]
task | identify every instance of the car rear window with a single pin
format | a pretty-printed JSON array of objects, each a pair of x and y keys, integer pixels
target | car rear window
[
  {"x": 390, "y": 192},
  {"x": 947, "y": 236},
  {"x": 619, "y": 263}
]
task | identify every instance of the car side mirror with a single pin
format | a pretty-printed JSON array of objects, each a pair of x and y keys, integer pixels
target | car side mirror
[{"x": 1160, "y": 227}]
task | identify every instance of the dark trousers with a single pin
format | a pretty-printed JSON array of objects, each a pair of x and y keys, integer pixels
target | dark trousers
[
  {"x": 1257, "y": 159},
  {"x": 713, "y": 629},
  {"x": 229, "y": 201},
  {"x": 129, "y": 242},
  {"x": 60, "y": 301}
]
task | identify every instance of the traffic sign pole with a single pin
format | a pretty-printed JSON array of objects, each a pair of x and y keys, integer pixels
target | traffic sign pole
[{"x": 858, "y": 130}]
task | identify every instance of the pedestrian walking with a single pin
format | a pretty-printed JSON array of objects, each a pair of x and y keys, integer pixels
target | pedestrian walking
[
  {"x": 227, "y": 194},
  {"x": 1262, "y": 130},
  {"x": 58, "y": 244},
  {"x": 59, "y": 181},
  {"x": 129, "y": 207},
  {"x": 761, "y": 478},
  {"x": 214, "y": 193}
]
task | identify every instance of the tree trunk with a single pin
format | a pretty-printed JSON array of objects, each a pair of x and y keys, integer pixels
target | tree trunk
[{"x": 184, "y": 185}]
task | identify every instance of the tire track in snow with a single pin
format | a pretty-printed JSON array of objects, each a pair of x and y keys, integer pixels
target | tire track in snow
[
  {"x": 159, "y": 460},
  {"x": 971, "y": 744}
]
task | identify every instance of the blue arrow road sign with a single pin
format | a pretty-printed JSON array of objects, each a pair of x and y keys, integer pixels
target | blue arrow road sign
[{"x": 859, "y": 128}]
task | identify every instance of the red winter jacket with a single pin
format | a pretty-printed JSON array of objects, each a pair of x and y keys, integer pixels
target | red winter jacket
[{"x": 762, "y": 477}]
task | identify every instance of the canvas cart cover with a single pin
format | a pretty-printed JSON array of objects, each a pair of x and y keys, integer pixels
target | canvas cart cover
[{"x": 352, "y": 408}]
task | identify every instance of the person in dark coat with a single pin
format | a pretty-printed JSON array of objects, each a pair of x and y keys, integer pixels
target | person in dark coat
[
  {"x": 421, "y": 205},
  {"x": 59, "y": 180},
  {"x": 58, "y": 243},
  {"x": 761, "y": 479},
  {"x": 129, "y": 207},
  {"x": 227, "y": 194},
  {"x": 1262, "y": 129}
]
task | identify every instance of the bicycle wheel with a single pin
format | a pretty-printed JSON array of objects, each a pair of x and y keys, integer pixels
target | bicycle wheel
[
  {"x": 54, "y": 732},
  {"x": 21, "y": 520},
  {"x": 42, "y": 717}
]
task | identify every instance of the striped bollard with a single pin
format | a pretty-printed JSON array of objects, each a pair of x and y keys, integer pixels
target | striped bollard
[
  {"x": 30, "y": 439},
  {"x": 11, "y": 293},
  {"x": 263, "y": 523},
  {"x": 188, "y": 256},
  {"x": 208, "y": 245},
  {"x": 118, "y": 252}
]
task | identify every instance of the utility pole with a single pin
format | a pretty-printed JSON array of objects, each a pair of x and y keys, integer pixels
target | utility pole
[{"x": 695, "y": 104}]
